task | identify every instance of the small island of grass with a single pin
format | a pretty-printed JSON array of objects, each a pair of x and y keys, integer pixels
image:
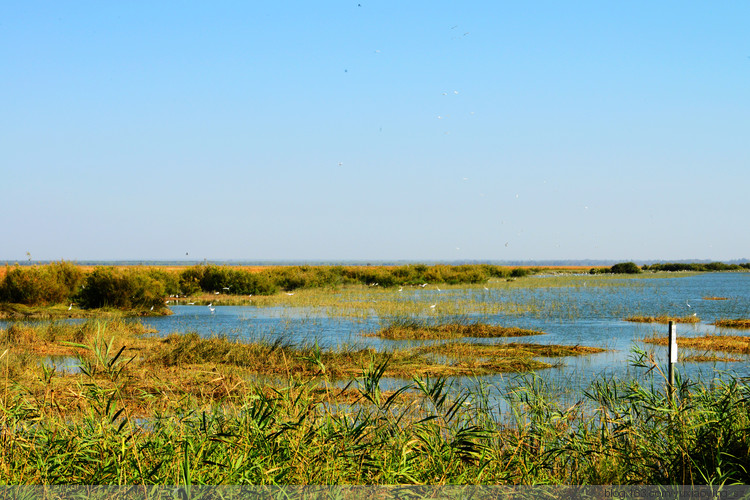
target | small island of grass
[
  {"x": 664, "y": 319},
  {"x": 415, "y": 330}
]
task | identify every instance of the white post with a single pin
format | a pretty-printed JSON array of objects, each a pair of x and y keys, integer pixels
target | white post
[{"x": 672, "y": 355}]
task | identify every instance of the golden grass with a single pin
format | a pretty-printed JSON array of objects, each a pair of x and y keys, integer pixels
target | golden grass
[
  {"x": 417, "y": 331},
  {"x": 663, "y": 319},
  {"x": 219, "y": 368},
  {"x": 715, "y": 298},
  {"x": 709, "y": 359},
  {"x": 513, "y": 350},
  {"x": 733, "y": 323},
  {"x": 62, "y": 311},
  {"x": 725, "y": 343}
]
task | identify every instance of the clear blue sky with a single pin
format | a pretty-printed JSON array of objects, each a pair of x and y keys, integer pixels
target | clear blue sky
[{"x": 375, "y": 130}]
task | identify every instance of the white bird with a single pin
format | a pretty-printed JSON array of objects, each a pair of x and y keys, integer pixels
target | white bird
[
  {"x": 225, "y": 288},
  {"x": 438, "y": 288},
  {"x": 423, "y": 285},
  {"x": 688, "y": 304},
  {"x": 210, "y": 304},
  {"x": 152, "y": 308},
  {"x": 486, "y": 288},
  {"x": 433, "y": 306},
  {"x": 212, "y": 309},
  {"x": 70, "y": 307},
  {"x": 191, "y": 303},
  {"x": 290, "y": 293},
  {"x": 401, "y": 289},
  {"x": 216, "y": 293}
]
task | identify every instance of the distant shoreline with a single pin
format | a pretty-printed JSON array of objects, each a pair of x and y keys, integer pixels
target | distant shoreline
[{"x": 583, "y": 263}]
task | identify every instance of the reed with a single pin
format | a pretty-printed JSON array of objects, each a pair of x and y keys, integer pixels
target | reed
[
  {"x": 413, "y": 329},
  {"x": 724, "y": 343},
  {"x": 733, "y": 323},
  {"x": 663, "y": 319},
  {"x": 428, "y": 431}
]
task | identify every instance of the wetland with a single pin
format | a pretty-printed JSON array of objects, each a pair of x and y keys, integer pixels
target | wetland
[{"x": 491, "y": 378}]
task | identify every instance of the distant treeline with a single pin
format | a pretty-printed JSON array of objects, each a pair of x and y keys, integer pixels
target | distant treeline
[
  {"x": 135, "y": 288},
  {"x": 632, "y": 268}
]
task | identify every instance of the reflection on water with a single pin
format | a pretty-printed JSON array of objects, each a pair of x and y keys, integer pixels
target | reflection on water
[{"x": 62, "y": 364}]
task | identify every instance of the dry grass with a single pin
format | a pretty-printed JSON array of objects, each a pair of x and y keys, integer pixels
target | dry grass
[
  {"x": 213, "y": 369},
  {"x": 715, "y": 298},
  {"x": 663, "y": 319},
  {"x": 418, "y": 331},
  {"x": 725, "y": 343},
  {"x": 703, "y": 358},
  {"x": 513, "y": 350},
  {"x": 733, "y": 323}
]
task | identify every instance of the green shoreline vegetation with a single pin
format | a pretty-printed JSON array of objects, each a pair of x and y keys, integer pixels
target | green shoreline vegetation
[
  {"x": 178, "y": 410},
  {"x": 149, "y": 290}
]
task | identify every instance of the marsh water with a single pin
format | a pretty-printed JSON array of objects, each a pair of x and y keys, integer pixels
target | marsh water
[{"x": 583, "y": 310}]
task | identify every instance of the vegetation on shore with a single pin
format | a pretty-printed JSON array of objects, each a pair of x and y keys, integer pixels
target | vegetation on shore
[
  {"x": 146, "y": 289},
  {"x": 633, "y": 268}
]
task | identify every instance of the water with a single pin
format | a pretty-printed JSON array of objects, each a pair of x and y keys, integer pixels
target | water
[{"x": 587, "y": 311}]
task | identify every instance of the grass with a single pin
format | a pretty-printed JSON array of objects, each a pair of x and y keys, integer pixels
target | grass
[
  {"x": 733, "y": 323},
  {"x": 724, "y": 343},
  {"x": 426, "y": 432},
  {"x": 219, "y": 367},
  {"x": 705, "y": 358},
  {"x": 663, "y": 319},
  {"x": 421, "y": 330},
  {"x": 715, "y": 298}
]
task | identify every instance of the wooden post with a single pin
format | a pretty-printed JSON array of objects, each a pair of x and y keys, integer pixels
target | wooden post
[{"x": 672, "y": 356}]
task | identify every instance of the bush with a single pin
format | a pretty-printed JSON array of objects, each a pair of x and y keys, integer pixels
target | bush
[
  {"x": 40, "y": 285},
  {"x": 121, "y": 289},
  {"x": 625, "y": 268}
]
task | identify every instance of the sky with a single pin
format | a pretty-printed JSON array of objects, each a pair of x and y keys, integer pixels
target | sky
[{"x": 374, "y": 130}]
